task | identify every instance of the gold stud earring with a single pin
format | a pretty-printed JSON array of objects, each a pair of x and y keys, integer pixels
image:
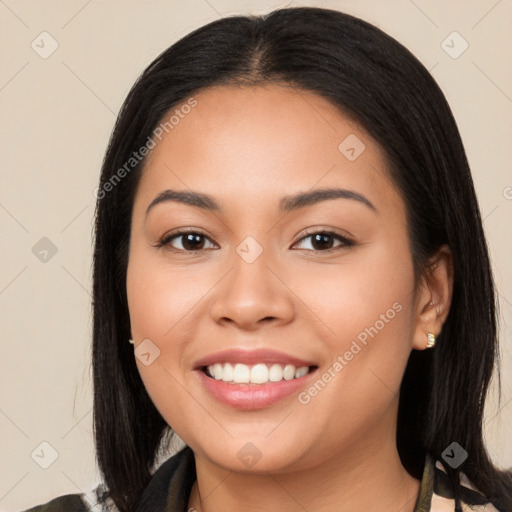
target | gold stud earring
[
  {"x": 132, "y": 342},
  {"x": 431, "y": 340}
]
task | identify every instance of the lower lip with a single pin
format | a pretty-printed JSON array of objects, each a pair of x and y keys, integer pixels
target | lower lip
[{"x": 252, "y": 396}]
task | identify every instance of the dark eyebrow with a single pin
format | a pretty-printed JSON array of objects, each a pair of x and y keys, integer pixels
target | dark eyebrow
[
  {"x": 286, "y": 204},
  {"x": 303, "y": 199}
]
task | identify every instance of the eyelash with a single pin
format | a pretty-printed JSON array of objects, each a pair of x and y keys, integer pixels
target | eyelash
[{"x": 164, "y": 241}]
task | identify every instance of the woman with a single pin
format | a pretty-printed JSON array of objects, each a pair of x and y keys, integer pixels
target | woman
[{"x": 290, "y": 271}]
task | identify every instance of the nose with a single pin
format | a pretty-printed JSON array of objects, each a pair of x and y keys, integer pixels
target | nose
[{"x": 252, "y": 295}]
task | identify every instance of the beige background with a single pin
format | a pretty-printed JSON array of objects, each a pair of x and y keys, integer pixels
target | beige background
[{"x": 56, "y": 116}]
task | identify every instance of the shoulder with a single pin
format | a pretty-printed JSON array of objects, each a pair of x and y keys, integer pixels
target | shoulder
[
  {"x": 169, "y": 487},
  {"x": 443, "y": 493},
  {"x": 65, "y": 503},
  {"x": 81, "y": 502},
  {"x": 97, "y": 499}
]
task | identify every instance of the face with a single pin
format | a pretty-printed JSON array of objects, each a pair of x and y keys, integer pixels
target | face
[{"x": 315, "y": 295}]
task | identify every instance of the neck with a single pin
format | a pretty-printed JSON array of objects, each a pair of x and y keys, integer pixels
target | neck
[{"x": 369, "y": 476}]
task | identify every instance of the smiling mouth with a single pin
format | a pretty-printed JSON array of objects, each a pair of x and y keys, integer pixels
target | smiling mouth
[{"x": 258, "y": 374}]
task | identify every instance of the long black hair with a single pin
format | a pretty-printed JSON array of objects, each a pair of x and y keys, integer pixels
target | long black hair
[{"x": 371, "y": 77}]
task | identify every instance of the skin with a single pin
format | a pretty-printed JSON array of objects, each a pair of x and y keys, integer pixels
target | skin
[{"x": 247, "y": 147}]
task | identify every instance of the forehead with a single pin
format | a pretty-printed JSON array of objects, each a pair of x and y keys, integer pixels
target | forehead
[{"x": 261, "y": 142}]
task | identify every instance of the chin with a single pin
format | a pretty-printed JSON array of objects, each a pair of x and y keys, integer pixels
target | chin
[{"x": 252, "y": 454}]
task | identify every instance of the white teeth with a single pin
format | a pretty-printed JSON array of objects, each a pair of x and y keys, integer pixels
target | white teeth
[
  {"x": 257, "y": 374},
  {"x": 227, "y": 373},
  {"x": 217, "y": 371},
  {"x": 241, "y": 373},
  {"x": 275, "y": 373},
  {"x": 300, "y": 372},
  {"x": 289, "y": 372}
]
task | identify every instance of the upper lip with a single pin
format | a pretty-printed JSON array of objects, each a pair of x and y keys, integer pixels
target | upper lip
[{"x": 235, "y": 355}]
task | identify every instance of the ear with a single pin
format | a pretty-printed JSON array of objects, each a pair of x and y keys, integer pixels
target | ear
[{"x": 434, "y": 297}]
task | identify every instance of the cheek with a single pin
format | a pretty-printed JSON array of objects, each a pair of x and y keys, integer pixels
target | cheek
[
  {"x": 366, "y": 313},
  {"x": 159, "y": 297},
  {"x": 164, "y": 304},
  {"x": 368, "y": 294}
]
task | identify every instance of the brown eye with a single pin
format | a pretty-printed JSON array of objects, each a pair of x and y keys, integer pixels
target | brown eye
[
  {"x": 191, "y": 241},
  {"x": 322, "y": 241}
]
